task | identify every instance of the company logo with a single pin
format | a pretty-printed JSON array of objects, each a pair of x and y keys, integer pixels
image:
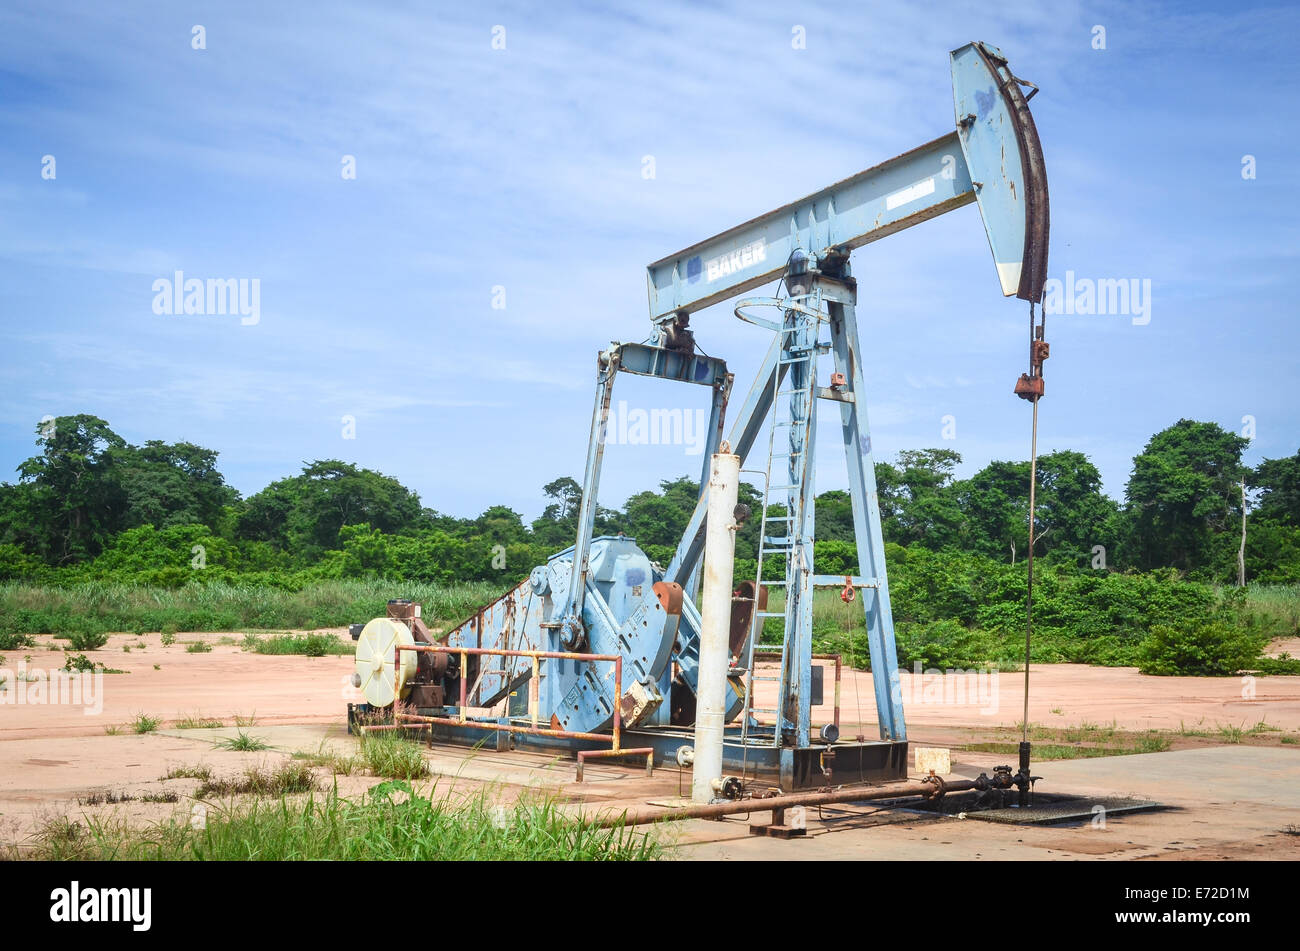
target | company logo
[
  {"x": 74, "y": 904},
  {"x": 727, "y": 264}
]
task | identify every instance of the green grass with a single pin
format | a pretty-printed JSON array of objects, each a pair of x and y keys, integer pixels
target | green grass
[
  {"x": 391, "y": 823},
  {"x": 1139, "y": 743},
  {"x": 284, "y": 780},
  {"x": 242, "y": 742},
  {"x": 196, "y": 722},
  {"x": 338, "y": 763},
  {"x": 145, "y": 723},
  {"x": 198, "y": 647},
  {"x": 1278, "y": 601},
  {"x": 311, "y": 645},
  {"x": 102, "y": 607},
  {"x": 392, "y": 756}
]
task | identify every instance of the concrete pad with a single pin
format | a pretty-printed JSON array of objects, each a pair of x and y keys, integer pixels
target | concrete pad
[{"x": 1219, "y": 774}]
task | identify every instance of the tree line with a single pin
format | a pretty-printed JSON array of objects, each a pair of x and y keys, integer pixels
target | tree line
[{"x": 90, "y": 504}]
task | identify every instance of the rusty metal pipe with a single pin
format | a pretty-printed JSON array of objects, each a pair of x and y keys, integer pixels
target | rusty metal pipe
[
  {"x": 506, "y": 727},
  {"x": 502, "y": 652},
  {"x": 719, "y": 809},
  {"x": 647, "y": 752}
]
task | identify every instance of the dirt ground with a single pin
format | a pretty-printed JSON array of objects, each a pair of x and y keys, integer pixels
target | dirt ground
[{"x": 1238, "y": 799}]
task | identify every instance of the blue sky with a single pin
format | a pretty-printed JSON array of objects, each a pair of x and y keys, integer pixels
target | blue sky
[{"x": 522, "y": 168}]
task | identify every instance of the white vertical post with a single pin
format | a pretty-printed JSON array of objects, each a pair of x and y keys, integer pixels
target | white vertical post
[{"x": 715, "y": 626}]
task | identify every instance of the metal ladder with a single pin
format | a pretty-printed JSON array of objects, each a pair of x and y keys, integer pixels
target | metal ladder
[{"x": 796, "y": 355}]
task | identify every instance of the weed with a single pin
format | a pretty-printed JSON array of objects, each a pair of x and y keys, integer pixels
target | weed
[
  {"x": 196, "y": 722},
  {"x": 145, "y": 723},
  {"x": 285, "y": 779},
  {"x": 338, "y": 763},
  {"x": 392, "y": 756},
  {"x": 78, "y": 662},
  {"x": 199, "y": 771},
  {"x": 242, "y": 743}
]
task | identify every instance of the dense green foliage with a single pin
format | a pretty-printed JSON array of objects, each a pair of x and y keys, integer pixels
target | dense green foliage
[
  {"x": 963, "y": 611},
  {"x": 99, "y": 535}
]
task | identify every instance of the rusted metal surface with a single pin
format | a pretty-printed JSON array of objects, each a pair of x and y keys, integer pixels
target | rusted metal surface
[
  {"x": 718, "y": 810},
  {"x": 670, "y": 596},
  {"x": 647, "y": 752},
  {"x": 402, "y": 719},
  {"x": 743, "y": 605}
]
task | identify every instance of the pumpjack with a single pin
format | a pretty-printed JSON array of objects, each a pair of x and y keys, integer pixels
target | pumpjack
[{"x": 600, "y": 642}]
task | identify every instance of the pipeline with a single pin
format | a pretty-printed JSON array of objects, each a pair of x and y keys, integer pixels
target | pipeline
[
  {"x": 932, "y": 788},
  {"x": 717, "y": 810}
]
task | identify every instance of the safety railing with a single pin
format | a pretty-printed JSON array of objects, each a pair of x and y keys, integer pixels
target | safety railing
[{"x": 462, "y": 720}]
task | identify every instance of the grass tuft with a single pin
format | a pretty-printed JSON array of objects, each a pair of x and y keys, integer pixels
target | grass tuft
[
  {"x": 242, "y": 743},
  {"x": 286, "y": 779},
  {"x": 145, "y": 723},
  {"x": 393, "y": 757}
]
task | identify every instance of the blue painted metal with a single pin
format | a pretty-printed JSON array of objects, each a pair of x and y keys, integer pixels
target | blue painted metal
[
  {"x": 599, "y": 595},
  {"x": 999, "y": 148},
  {"x": 749, "y": 424},
  {"x": 622, "y": 614},
  {"x": 865, "y": 500},
  {"x": 1005, "y": 162},
  {"x": 868, "y": 206}
]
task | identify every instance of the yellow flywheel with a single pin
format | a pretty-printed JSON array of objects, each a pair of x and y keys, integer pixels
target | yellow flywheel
[{"x": 374, "y": 660}]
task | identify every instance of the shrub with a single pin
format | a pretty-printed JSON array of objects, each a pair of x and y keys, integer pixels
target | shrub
[
  {"x": 945, "y": 645},
  {"x": 87, "y": 640},
  {"x": 78, "y": 662},
  {"x": 1213, "y": 648}
]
